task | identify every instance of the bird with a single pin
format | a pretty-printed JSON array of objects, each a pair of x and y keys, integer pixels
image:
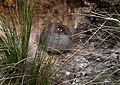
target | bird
[{"x": 55, "y": 38}]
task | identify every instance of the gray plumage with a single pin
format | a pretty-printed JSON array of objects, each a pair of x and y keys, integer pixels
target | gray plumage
[{"x": 55, "y": 37}]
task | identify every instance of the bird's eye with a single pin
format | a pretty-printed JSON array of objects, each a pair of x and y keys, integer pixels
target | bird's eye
[{"x": 59, "y": 29}]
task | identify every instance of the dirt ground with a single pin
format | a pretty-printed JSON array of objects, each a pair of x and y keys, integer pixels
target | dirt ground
[{"x": 92, "y": 56}]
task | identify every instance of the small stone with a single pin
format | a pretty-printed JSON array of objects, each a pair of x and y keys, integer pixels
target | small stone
[{"x": 67, "y": 73}]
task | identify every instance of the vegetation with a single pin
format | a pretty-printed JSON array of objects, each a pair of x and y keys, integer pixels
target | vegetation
[
  {"x": 15, "y": 67},
  {"x": 18, "y": 68}
]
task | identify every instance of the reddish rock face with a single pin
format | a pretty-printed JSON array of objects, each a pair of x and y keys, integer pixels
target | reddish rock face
[
  {"x": 9, "y": 3},
  {"x": 75, "y": 3}
]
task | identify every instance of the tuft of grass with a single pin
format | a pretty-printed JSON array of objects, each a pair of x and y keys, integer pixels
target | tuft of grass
[{"x": 16, "y": 69}]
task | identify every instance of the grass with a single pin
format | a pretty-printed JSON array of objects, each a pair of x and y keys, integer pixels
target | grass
[
  {"x": 106, "y": 34},
  {"x": 16, "y": 69}
]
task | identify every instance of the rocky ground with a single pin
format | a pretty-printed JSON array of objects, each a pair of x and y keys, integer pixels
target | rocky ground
[{"x": 95, "y": 59}]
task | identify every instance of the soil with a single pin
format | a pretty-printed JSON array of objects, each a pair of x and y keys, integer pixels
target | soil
[{"x": 95, "y": 51}]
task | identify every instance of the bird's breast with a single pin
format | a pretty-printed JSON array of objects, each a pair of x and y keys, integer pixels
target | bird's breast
[{"x": 58, "y": 42}]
